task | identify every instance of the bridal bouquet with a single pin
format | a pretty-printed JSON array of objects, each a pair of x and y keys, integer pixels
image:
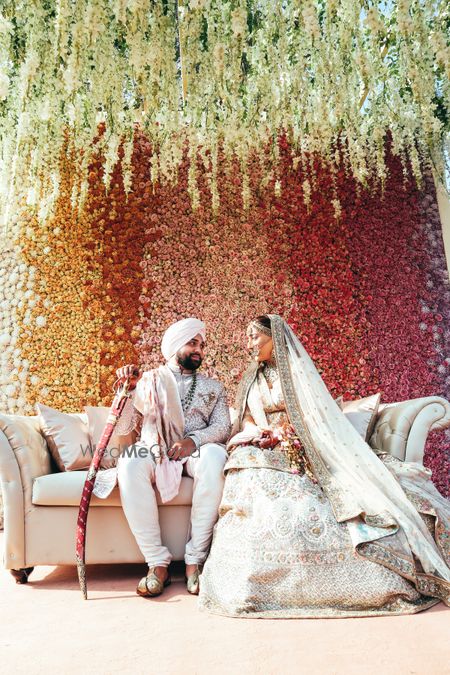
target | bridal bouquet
[{"x": 285, "y": 439}]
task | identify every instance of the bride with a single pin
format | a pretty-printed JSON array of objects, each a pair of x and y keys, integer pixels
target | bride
[{"x": 312, "y": 522}]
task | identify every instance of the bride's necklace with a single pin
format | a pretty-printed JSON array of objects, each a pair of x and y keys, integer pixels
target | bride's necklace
[
  {"x": 270, "y": 371},
  {"x": 187, "y": 400}
]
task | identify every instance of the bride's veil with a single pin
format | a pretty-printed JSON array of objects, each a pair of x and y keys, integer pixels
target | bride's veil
[{"x": 362, "y": 491}]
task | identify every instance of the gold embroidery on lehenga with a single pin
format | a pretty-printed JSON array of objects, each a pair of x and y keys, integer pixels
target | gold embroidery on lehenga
[{"x": 293, "y": 558}]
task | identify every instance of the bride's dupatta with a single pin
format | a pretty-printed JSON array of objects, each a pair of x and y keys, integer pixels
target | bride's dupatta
[{"x": 362, "y": 491}]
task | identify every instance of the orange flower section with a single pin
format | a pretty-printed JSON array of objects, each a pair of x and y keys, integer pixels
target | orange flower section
[{"x": 118, "y": 225}]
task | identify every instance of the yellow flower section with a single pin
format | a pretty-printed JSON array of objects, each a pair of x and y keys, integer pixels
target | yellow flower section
[{"x": 61, "y": 330}]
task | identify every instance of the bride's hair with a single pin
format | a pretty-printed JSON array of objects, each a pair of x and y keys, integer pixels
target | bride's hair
[
  {"x": 264, "y": 320},
  {"x": 262, "y": 324}
]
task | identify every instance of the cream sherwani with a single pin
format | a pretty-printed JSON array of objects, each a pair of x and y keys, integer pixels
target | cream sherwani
[{"x": 207, "y": 422}]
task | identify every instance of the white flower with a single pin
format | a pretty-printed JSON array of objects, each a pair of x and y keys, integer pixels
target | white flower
[
  {"x": 5, "y": 26},
  {"x": 311, "y": 21},
  {"x": 307, "y": 192},
  {"x": 41, "y": 321},
  {"x": 197, "y": 4},
  {"x": 30, "y": 66},
  {"x": 5, "y": 339},
  {"x": 378, "y": 133},
  {"x": 31, "y": 196},
  {"x": 219, "y": 56},
  {"x": 71, "y": 113},
  {"x": 100, "y": 117},
  {"x": 373, "y": 20},
  {"x": 25, "y": 121},
  {"x": 238, "y": 22},
  {"x": 337, "y": 208},
  {"x": 45, "y": 111},
  {"x": 70, "y": 80},
  {"x": 4, "y": 86}
]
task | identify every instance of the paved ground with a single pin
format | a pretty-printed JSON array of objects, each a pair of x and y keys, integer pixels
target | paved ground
[{"x": 46, "y": 627}]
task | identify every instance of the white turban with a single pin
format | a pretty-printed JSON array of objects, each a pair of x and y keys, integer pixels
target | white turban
[{"x": 179, "y": 333}]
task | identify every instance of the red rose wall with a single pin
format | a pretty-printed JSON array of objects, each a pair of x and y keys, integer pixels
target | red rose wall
[{"x": 368, "y": 294}]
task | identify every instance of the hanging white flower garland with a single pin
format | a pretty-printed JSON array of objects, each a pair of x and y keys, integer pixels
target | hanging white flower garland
[{"x": 337, "y": 77}]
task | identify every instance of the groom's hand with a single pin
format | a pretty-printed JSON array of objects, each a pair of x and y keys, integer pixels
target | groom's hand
[
  {"x": 130, "y": 373},
  {"x": 180, "y": 449}
]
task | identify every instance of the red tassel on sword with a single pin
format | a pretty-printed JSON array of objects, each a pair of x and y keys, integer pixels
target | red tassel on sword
[{"x": 118, "y": 404}]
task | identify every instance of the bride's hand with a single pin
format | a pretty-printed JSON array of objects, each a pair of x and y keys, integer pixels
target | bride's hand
[{"x": 267, "y": 439}]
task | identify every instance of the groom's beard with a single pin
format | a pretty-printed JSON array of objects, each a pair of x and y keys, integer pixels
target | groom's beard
[{"x": 188, "y": 363}]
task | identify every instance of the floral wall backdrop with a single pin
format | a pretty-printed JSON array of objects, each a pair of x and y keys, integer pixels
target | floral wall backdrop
[{"x": 368, "y": 292}]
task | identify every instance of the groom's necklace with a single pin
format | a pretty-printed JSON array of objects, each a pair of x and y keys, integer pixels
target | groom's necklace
[{"x": 187, "y": 400}]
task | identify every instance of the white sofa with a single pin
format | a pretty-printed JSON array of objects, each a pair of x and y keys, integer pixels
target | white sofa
[{"x": 41, "y": 506}]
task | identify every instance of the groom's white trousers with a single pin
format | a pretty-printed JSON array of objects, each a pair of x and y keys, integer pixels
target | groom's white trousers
[{"x": 136, "y": 481}]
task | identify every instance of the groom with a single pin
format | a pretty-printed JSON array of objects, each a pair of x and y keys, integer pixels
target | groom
[{"x": 185, "y": 420}]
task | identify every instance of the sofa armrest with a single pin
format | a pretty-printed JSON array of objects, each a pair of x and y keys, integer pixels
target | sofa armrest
[
  {"x": 23, "y": 457},
  {"x": 402, "y": 428}
]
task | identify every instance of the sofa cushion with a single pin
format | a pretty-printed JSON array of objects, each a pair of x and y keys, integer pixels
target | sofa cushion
[
  {"x": 362, "y": 414},
  {"x": 97, "y": 417},
  {"x": 67, "y": 437},
  {"x": 64, "y": 489}
]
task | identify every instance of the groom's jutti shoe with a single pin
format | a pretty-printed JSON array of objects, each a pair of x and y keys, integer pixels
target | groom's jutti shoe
[
  {"x": 193, "y": 582},
  {"x": 151, "y": 586}
]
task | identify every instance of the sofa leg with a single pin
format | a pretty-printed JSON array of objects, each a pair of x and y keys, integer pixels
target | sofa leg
[{"x": 21, "y": 576}]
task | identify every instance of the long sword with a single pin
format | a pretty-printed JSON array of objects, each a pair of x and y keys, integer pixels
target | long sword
[{"x": 118, "y": 404}]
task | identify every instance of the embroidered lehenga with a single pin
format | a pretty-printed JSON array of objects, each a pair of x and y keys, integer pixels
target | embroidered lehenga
[{"x": 320, "y": 534}]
